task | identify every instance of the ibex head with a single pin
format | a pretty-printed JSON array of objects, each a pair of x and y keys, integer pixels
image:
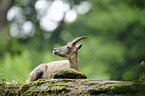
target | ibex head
[{"x": 70, "y": 49}]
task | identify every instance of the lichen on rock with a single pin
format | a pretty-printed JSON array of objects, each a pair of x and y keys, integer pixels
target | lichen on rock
[
  {"x": 68, "y": 74},
  {"x": 77, "y": 87}
]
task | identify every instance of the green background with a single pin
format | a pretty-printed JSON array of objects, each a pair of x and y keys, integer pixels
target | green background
[{"x": 113, "y": 50}]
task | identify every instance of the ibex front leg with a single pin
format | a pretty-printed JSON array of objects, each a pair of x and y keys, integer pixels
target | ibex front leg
[{"x": 69, "y": 51}]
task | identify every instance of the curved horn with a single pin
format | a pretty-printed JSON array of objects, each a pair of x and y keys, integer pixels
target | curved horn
[{"x": 77, "y": 40}]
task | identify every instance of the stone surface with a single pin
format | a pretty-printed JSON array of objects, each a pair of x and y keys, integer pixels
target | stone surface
[
  {"x": 68, "y": 74},
  {"x": 72, "y": 83},
  {"x": 75, "y": 87}
]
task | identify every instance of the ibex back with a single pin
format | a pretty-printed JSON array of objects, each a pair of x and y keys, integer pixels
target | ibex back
[{"x": 70, "y": 51}]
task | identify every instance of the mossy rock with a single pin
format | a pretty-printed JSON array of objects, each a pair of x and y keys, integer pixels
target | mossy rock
[
  {"x": 74, "y": 87},
  {"x": 68, "y": 74},
  {"x": 44, "y": 87},
  {"x": 9, "y": 89},
  {"x": 79, "y": 87}
]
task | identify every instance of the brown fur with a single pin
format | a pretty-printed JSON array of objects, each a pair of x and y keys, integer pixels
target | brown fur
[{"x": 70, "y": 51}]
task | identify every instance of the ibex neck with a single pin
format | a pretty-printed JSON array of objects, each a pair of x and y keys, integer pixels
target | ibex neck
[{"x": 74, "y": 62}]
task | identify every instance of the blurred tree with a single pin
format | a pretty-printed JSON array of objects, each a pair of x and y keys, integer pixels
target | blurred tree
[
  {"x": 137, "y": 3},
  {"x": 115, "y": 30},
  {"x": 5, "y": 5},
  {"x": 116, "y": 22}
]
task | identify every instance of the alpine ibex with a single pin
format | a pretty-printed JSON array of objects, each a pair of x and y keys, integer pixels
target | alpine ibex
[{"x": 70, "y": 51}]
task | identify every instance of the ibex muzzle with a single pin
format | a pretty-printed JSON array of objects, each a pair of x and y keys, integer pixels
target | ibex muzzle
[{"x": 70, "y": 51}]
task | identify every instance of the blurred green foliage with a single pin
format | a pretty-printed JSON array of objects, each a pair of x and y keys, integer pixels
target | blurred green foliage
[
  {"x": 113, "y": 50},
  {"x": 141, "y": 73}
]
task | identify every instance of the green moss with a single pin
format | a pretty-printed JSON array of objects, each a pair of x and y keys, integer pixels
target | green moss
[
  {"x": 78, "y": 87},
  {"x": 2, "y": 88},
  {"x": 84, "y": 81},
  {"x": 68, "y": 80},
  {"x": 51, "y": 89},
  {"x": 125, "y": 89},
  {"x": 82, "y": 91},
  {"x": 42, "y": 87},
  {"x": 112, "y": 89},
  {"x": 25, "y": 87},
  {"x": 8, "y": 89},
  {"x": 41, "y": 80},
  {"x": 31, "y": 93},
  {"x": 68, "y": 73}
]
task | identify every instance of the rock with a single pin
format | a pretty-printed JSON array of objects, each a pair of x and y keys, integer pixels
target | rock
[
  {"x": 9, "y": 88},
  {"x": 75, "y": 87},
  {"x": 68, "y": 74},
  {"x": 79, "y": 87},
  {"x": 13, "y": 82},
  {"x": 72, "y": 83}
]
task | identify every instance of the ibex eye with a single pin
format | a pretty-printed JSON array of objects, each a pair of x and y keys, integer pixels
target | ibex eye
[{"x": 68, "y": 47}]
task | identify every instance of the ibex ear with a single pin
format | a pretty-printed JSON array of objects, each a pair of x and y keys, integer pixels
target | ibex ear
[{"x": 78, "y": 47}]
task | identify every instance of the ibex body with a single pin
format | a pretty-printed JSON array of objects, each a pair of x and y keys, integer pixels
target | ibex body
[{"x": 70, "y": 51}]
